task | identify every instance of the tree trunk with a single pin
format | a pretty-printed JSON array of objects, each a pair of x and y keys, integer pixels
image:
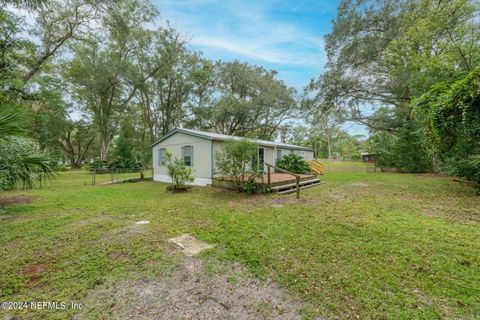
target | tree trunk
[
  {"x": 104, "y": 147},
  {"x": 329, "y": 145}
]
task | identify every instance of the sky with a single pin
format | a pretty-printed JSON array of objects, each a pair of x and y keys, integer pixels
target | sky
[{"x": 283, "y": 35}]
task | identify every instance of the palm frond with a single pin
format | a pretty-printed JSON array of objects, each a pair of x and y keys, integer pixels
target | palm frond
[
  {"x": 20, "y": 164},
  {"x": 12, "y": 121}
]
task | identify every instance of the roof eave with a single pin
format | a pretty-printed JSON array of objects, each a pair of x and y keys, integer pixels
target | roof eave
[
  {"x": 171, "y": 133},
  {"x": 168, "y": 135}
]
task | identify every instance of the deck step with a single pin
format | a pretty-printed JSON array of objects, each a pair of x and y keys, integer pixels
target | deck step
[
  {"x": 293, "y": 190},
  {"x": 294, "y": 185}
]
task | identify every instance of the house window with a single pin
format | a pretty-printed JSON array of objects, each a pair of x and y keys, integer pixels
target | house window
[
  {"x": 162, "y": 156},
  {"x": 187, "y": 155}
]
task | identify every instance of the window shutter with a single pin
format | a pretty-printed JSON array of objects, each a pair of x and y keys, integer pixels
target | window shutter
[
  {"x": 182, "y": 153},
  {"x": 191, "y": 156},
  {"x": 160, "y": 156}
]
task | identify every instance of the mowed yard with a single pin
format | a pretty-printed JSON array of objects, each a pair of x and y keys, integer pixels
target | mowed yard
[{"x": 364, "y": 245}]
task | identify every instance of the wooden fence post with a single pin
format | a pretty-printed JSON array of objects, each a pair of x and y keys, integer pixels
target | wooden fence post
[
  {"x": 298, "y": 187},
  {"x": 268, "y": 173}
]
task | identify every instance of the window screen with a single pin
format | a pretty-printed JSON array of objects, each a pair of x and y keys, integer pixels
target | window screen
[
  {"x": 162, "y": 156},
  {"x": 187, "y": 155}
]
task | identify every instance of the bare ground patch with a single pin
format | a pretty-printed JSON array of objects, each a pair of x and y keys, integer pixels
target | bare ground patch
[
  {"x": 192, "y": 292},
  {"x": 12, "y": 200},
  {"x": 34, "y": 272}
]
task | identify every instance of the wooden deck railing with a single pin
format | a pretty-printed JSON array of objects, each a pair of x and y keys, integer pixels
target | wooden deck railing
[
  {"x": 316, "y": 166},
  {"x": 297, "y": 177}
]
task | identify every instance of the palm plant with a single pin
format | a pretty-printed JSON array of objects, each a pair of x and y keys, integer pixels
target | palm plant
[
  {"x": 11, "y": 121},
  {"x": 19, "y": 162}
]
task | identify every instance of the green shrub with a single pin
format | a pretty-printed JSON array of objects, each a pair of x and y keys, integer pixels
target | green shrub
[
  {"x": 411, "y": 153},
  {"x": 179, "y": 173},
  {"x": 469, "y": 169},
  {"x": 293, "y": 163},
  {"x": 99, "y": 166},
  {"x": 20, "y": 163},
  {"x": 237, "y": 163},
  {"x": 453, "y": 114},
  {"x": 125, "y": 165},
  {"x": 61, "y": 168}
]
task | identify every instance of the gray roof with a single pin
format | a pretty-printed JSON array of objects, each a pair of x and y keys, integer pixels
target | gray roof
[{"x": 224, "y": 137}]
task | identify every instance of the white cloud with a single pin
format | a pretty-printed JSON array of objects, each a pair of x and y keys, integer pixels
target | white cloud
[
  {"x": 257, "y": 50},
  {"x": 246, "y": 29}
]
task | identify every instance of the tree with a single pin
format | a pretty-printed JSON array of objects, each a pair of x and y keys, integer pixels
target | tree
[
  {"x": 179, "y": 173},
  {"x": 382, "y": 145},
  {"x": 76, "y": 141},
  {"x": 453, "y": 119},
  {"x": 250, "y": 101},
  {"x": 100, "y": 74},
  {"x": 48, "y": 113},
  {"x": 410, "y": 150},
  {"x": 356, "y": 70},
  {"x": 385, "y": 53},
  {"x": 19, "y": 159},
  {"x": 164, "y": 94},
  {"x": 58, "y": 22},
  {"x": 236, "y": 163}
]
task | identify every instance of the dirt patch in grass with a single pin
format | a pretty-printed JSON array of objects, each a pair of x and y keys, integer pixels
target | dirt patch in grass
[
  {"x": 123, "y": 234},
  {"x": 193, "y": 291},
  {"x": 12, "y": 200},
  {"x": 34, "y": 272}
]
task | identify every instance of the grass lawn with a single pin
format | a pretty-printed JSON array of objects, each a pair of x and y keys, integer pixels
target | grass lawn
[{"x": 363, "y": 245}]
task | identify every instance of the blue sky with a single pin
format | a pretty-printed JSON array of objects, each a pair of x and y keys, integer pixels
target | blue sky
[{"x": 286, "y": 36}]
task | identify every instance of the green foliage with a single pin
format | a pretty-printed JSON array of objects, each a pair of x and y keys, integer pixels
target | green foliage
[
  {"x": 469, "y": 169},
  {"x": 124, "y": 146},
  {"x": 125, "y": 165},
  {"x": 12, "y": 120},
  {"x": 179, "y": 173},
  {"x": 405, "y": 151},
  {"x": 21, "y": 164},
  {"x": 293, "y": 163},
  {"x": 386, "y": 53},
  {"x": 403, "y": 247},
  {"x": 453, "y": 115},
  {"x": 99, "y": 166},
  {"x": 236, "y": 163},
  {"x": 246, "y": 100},
  {"x": 410, "y": 153},
  {"x": 382, "y": 145}
]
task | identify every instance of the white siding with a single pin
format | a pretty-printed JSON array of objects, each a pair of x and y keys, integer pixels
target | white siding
[
  {"x": 203, "y": 156},
  {"x": 202, "y": 153}
]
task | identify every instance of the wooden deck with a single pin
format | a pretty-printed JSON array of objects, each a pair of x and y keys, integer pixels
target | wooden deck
[{"x": 278, "y": 178}]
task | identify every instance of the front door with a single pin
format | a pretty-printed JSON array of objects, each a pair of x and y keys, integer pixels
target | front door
[{"x": 261, "y": 159}]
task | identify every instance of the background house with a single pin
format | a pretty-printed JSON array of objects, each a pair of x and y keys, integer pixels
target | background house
[{"x": 198, "y": 149}]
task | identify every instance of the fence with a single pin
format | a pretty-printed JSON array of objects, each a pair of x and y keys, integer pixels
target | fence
[{"x": 118, "y": 175}]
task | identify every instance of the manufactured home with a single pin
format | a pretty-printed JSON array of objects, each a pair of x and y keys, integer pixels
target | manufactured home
[{"x": 198, "y": 148}]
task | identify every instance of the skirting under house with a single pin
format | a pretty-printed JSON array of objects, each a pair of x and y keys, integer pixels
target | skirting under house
[{"x": 197, "y": 182}]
